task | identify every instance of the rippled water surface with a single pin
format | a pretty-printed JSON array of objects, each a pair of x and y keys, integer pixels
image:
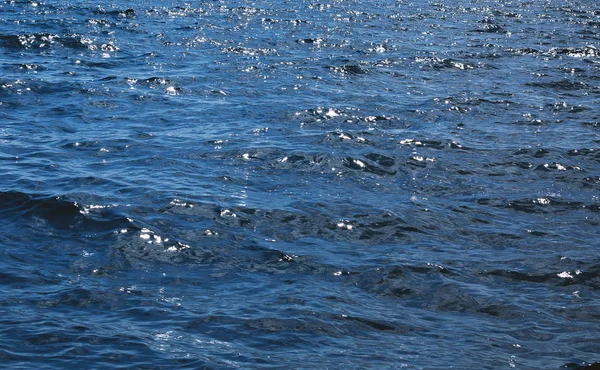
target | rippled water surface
[{"x": 256, "y": 184}]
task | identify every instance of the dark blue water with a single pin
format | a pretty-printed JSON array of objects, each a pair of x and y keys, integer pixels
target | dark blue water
[{"x": 254, "y": 184}]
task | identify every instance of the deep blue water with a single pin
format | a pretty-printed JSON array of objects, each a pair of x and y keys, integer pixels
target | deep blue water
[{"x": 253, "y": 184}]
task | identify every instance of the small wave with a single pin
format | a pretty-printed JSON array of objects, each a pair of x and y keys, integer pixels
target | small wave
[
  {"x": 566, "y": 85},
  {"x": 574, "y": 52},
  {"x": 584, "y": 52},
  {"x": 582, "y": 366},
  {"x": 555, "y": 166},
  {"x": 367, "y": 166},
  {"x": 430, "y": 287},
  {"x": 523, "y": 51},
  {"x": 489, "y": 26},
  {"x": 287, "y": 225},
  {"x": 59, "y": 213},
  {"x": 572, "y": 273},
  {"x": 546, "y": 205},
  {"x": 434, "y": 144},
  {"x": 241, "y": 50},
  {"x": 119, "y": 13},
  {"x": 348, "y": 69},
  {"x": 313, "y": 41},
  {"x": 26, "y": 41},
  {"x": 534, "y": 153},
  {"x": 346, "y": 118},
  {"x": 42, "y": 41},
  {"x": 588, "y": 153},
  {"x": 345, "y": 137},
  {"x": 444, "y": 63}
]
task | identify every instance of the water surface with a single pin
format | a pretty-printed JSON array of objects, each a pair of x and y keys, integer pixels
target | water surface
[{"x": 347, "y": 184}]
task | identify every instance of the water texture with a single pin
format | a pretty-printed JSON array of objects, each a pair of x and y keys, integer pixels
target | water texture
[{"x": 255, "y": 184}]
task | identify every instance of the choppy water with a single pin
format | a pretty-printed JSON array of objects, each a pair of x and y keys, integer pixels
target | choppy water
[{"x": 255, "y": 184}]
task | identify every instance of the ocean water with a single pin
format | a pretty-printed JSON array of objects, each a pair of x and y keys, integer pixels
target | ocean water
[{"x": 307, "y": 185}]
